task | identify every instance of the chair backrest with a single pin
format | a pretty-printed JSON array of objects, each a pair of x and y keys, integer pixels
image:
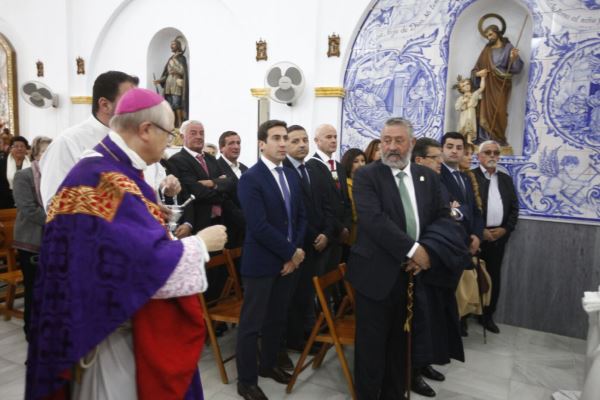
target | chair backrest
[
  {"x": 7, "y": 252},
  {"x": 8, "y": 214},
  {"x": 322, "y": 283},
  {"x": 227, "y": 259}
]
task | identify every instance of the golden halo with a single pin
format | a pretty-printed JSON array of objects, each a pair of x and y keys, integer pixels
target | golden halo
[{"x": 487, "y": 16}]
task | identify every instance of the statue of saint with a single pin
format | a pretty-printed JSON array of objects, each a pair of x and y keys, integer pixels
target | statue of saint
[
  {"x": 466, "y": 105},
  {"x": 175, "y": 82},
  {"x": 501, "y": 61}
]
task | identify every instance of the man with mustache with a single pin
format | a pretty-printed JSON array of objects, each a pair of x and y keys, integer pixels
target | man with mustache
[
  {"x": 500, "y": 212},
  {"x": 498, "y": 62},
  {"x": 395, "y": 201}
]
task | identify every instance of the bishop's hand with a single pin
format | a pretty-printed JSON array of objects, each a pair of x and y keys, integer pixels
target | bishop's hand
[{"x": 214, "y": 237}]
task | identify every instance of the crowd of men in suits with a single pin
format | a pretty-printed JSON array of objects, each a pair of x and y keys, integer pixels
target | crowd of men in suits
[
  {"x": 420, "y": 220},
  {"x": 292, "y": 213}
]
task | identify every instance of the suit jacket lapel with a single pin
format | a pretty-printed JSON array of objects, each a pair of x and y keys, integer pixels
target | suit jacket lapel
[
  {"x": 270, "y": 179},
  {"x": 452, "y": 185},
  {"x": 420, "y": 192},
  {"x": 389, "y": 181},
  {"x": 195, "y": 164},
  {"x": 227, "y": 169}
]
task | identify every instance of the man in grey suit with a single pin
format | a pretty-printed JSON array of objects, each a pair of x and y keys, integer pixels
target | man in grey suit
[{"x": 395, "y": 201}]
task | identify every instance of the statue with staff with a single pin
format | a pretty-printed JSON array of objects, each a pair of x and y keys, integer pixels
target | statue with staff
[
  {"x": 175, "y": 81},
  {"x": 500, "y": 60}
]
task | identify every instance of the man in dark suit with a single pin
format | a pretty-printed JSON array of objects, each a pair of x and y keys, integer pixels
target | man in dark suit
[
  {"x": 319, "y": 231},
  {"x": 500, "y": 212},
  {"x": 201, "y": 176},
  {"x": 460, "y": 188},
  {"x": 230, "y": 147},
  {"x": 323, "y": 161},
  {"x": 395, "y": 201},
  {"x": 440, "y": 312},
  {"x": 271, "y": 198}
]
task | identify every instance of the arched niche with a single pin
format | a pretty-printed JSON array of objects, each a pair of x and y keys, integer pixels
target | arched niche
[
  {"x": 159, "y": 51},
  {"x": 464, "y": 47}
]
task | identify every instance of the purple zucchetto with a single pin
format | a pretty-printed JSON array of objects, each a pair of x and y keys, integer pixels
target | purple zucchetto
[{"x": 137, "y": 99}]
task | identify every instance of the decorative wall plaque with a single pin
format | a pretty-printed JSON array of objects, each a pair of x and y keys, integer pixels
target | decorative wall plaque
[
  {"x": 261, "y": 50},
  {"x": 80, "y": 66},
  {"x": 333, "y": 49},
  {"x": 40, "y": 68}
]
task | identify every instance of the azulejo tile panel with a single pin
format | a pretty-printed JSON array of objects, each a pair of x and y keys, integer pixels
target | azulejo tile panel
[{"x": 398, "y": 67}]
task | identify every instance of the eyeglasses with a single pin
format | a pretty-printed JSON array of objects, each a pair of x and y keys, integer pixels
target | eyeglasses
[
  {"x": 172, "y": 135},
  {"x": 437, "y": 157},
  {"x": 490, "y": 152}
]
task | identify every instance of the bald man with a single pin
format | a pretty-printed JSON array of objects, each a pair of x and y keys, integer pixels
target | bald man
[{"x": 323, "y": 161}]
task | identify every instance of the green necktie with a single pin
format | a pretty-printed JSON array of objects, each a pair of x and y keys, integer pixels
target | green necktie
[{"x": 411, "y": 223}]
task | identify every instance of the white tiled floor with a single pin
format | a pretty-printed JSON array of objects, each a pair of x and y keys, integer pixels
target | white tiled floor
[{"x": 518, "y": 364}]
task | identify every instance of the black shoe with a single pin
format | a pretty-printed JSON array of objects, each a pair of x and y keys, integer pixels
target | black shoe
[
  {"x": 250, "y": 392},
  {"x": 284, "y": 361},
  {"x": 314, "y": 349},
  {"x": 277, "y": 374},
  {"x": 430, "y": 373},
  {"x": 488, "y": 323},
  {"x": 464, "y": 328},
  {"x": 220, "y": 329},
  {"x": 419, "y": 386}
]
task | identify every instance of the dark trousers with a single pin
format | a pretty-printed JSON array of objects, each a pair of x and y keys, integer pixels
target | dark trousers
[
  {"x": 28, "y": 268},
  {"x": 380, "y": 345},
  {"x": 301, "y": 314},
  {"x": 493, "y": 253},
  {"x": 264, "y": 311}
]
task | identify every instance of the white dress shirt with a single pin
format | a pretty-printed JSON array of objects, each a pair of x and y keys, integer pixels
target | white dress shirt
[
  {"x": 64, "y": 152},
  {"x": 410, "y": 187},
  {"x": 271, "y": 165},
  {"x": 495, "y": 207},
  {"x": 235, "y": 167}
]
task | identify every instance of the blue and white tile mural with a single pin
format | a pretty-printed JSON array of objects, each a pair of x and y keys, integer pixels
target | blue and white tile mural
[{"x": 399, "y": 67}]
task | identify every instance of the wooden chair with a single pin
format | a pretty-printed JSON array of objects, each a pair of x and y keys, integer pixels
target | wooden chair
[
  {"x": 227, "y": 307},
  {"x": 11, "y": 275},
  {"x": 338, "y": 330}
]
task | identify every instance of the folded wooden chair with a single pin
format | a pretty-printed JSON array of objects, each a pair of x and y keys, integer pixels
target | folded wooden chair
[
  {"x": 338, "y": 330},
  {"x": 11, "y": 275},
  {"x": 227, "y": 307}
]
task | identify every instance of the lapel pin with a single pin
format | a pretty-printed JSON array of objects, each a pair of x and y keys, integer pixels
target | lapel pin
[{"x": 422, "y": 178}]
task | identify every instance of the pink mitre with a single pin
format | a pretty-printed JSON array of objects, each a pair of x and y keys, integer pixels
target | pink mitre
[{"x": 137, "y": 99}]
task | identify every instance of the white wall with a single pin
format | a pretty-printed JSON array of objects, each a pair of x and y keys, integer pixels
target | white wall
[
  {"x": 39, "y": 35},
  {"x": 116, "y": 34}
]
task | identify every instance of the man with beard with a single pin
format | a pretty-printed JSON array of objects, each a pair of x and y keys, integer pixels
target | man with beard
[
  {"x": 500, "y": 212},
  {"x": 494, "y": 60},
  {"x": 395, "y": 201}
]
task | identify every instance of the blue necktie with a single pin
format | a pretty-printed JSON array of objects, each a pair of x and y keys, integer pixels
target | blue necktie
[
  {"x": 305, "y": 181},
  {"x": 460, "y": 182},
  {"x": 286, "y": 199}
]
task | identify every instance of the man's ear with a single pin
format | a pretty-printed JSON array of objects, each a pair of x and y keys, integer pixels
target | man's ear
[
  {"x": 105, "y": 106},
  {"x": 144, "y": 131}
]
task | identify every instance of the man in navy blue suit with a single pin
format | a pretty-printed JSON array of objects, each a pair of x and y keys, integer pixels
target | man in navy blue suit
[
  {"x": 271, "y": 199},
  {"x": 395, "y": 200},
  {"x": 460, "y": 188}
]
